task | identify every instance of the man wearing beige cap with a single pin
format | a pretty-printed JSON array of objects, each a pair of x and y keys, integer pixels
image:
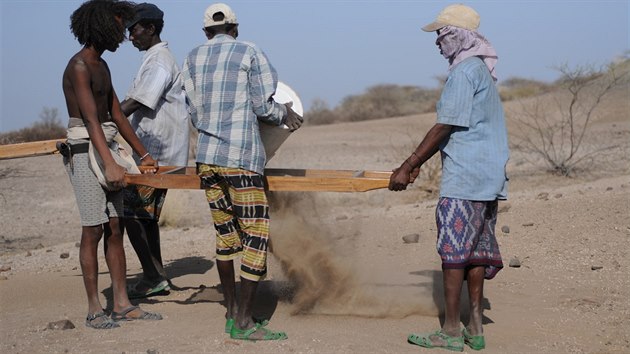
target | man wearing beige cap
[
  {"x": 230, "y": 86},
  {"x": 471, "y": 136}
]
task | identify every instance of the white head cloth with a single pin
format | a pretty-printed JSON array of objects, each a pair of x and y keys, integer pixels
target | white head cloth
[{"x": 458, "y": 44}]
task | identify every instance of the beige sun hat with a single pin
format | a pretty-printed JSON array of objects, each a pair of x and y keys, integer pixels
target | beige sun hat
[
  {"x": 229, "y": 17},
  {"x": 458, "y": 15}
]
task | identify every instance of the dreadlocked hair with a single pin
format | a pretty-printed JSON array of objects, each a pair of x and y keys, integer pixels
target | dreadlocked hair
[{"x": 94, "y": 22}]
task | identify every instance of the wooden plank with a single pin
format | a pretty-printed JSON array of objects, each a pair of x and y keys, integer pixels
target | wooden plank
[
  {"x": 35, "y": 148},
  {"x": 325, "y": 184},
  {"x": 171, "y": 177},
  {"x": 185, "y": 177}
]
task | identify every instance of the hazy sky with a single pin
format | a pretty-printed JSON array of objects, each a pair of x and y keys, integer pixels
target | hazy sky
[{"x": 321, "y": 48}]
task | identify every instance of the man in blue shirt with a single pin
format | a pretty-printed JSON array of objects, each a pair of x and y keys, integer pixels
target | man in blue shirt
[
  {"x": 471, "y": 136},
  {"x": 230, "y": 86}
]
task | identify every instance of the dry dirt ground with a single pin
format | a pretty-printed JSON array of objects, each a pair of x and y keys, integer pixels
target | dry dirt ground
[{"x": 363, "y": 289}]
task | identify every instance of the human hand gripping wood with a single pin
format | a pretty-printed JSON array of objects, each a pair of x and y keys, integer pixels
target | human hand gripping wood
[
  {"x": 115, "y": 174},
  {"x": 149, "y": 164}
]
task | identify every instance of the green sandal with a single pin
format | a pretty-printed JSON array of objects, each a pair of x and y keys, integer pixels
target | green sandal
[
  {"x": 245, "y": 334},
  {"x": 229, "y": 323},
  {"x": 151, "y": 289},
  {"x": 455, "y": 344},
  {"x": 474, "y": 342}
]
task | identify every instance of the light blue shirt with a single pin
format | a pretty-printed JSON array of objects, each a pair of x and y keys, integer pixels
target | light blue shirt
[
  {"x": 475, "y": 155},
  {"x": 230, "y": 86}
]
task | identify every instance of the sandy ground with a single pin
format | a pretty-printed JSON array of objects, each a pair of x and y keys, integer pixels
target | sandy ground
[{"x": 364, "y": 289}]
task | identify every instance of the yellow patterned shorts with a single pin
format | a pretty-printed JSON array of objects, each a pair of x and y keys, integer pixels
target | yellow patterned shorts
[{"x": 240, "y": 213}]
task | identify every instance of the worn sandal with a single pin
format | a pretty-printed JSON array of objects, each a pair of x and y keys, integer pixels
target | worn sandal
[
  {"x": 455, "y": 344},
  {"x": 152, "y": 289},
  {"x": 100, "y": 320},
  {"x": 245, "y": 334},
  {"x": 122, "y": 316},
  {"x": 229, "y": 323},
  {"x": 474, "y": 342}
]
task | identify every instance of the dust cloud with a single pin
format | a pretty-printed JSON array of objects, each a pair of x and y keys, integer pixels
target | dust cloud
[{"x": 321, "y": 274}]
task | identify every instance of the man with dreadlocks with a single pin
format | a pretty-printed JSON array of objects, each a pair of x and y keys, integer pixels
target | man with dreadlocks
[{"x": 96, "y": 118}]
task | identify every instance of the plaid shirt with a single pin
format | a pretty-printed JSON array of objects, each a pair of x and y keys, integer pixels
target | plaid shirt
[{"x": 230, "y": 86}]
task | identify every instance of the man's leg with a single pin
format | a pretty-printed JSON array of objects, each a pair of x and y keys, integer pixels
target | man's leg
[
  {"x": 116, "y": 262},
  {"x": 144, "y": 236},
  {"x": 226, "y": 275},
  {"x": 250, "y": 205},
  {"x": 450, "y": 331},
  {"x": 453, "y": 280},
  {"x": 450, "y": 242},
  {"x": 90, "y": 237},
  {"x": 244, "y": 317},
  {"x": 142, "y": 208},
  {"x": 475, "y": 278},
  {"x": 228, "y": 243}
]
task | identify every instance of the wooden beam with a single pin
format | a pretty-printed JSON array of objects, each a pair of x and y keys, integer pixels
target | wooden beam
[
  {"x": 35, "y": 148},
  {"x": 185, "y": 177},
  {"x": 294, "y": 180}
]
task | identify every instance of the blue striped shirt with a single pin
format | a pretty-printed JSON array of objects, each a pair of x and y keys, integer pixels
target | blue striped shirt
[
  {"x": 475, "y": 155},
  {"x": 230, "y": 86}
]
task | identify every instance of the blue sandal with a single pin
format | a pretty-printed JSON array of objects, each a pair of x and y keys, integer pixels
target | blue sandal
[{"x": 455, "y": 344}]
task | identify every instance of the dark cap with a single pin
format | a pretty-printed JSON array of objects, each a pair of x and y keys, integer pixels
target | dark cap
[{"x": 145, "y": 11}]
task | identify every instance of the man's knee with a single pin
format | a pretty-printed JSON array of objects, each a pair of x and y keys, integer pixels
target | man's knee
[{"x": 92, "y": 232}]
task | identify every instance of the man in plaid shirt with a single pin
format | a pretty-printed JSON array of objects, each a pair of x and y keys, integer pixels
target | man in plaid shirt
[{"x": 230, "y": 86}]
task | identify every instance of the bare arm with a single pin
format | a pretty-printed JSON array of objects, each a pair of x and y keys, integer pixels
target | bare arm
[
  {"x": 127, "y": 132},
  {"x": 80, "y": 78},
  {"x": 410, "y": 168},
  {"x": 129, "y": 105}
]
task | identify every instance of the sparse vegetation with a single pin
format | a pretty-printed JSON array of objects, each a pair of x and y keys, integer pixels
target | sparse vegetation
[
  {"x": 554, "y": 129},
  {"x": 381, "y": 101},
  {"x": 48, "y": 127},
  {"x": 387, "y": 101},
  {"x": 518, "y": 88}
]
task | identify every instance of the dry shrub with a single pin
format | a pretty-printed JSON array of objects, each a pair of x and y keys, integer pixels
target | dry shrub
[
  {"x": 380, "y": 101},
  {"x": 554, "y": 128},
  {"x": 49, "y": 127},
  {"x": 518, "y": 88},
  {"x": 387, "y": 100}
]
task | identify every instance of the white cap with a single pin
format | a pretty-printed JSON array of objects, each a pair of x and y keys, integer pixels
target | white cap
[
  {"x": 457, "y": 15},
  {"x": 228, "y": 15}
]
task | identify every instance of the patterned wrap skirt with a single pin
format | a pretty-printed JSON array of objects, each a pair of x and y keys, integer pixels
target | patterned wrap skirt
[{"x": 466, "y": 235}]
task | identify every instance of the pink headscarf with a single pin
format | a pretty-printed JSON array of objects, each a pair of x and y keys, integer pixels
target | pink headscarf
[{"x": 458, "y": 44}]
